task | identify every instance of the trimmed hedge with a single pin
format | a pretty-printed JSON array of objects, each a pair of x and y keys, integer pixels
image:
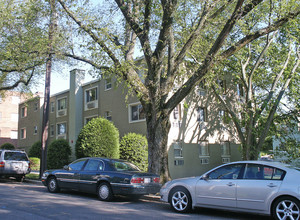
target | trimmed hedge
[
  {"x": 98, "y": 138},
  {"x": 134, "y": 148},
  {"x": 35, "y": 150},
  {"x": 7, "y": 146},
  {"x": 58, "y": 154}
]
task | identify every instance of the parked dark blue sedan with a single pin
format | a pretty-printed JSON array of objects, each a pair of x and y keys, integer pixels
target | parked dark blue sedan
[{"x": 102, "y": 176}]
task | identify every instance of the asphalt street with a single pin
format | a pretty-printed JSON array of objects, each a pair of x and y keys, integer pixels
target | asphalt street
[{"x": 31, "y": 201}]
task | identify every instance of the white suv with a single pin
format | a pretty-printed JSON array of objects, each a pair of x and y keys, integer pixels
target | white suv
[{"x": 14, "y": 163}]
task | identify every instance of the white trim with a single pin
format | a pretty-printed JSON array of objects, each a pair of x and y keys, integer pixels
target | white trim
[
  {"x": 61, "y": 135},
  {"x": 64, "y": 111},
  {"x": 92, "y": 116},
  {"x": 22, "y": 138},
  {"x": 105, "y": 84},
  {"x": 130, "y": 113},
  {"x": 91, "y": 104}
]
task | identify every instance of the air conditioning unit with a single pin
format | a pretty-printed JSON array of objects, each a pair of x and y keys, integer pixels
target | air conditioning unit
[
  {"x": 91, "y": 105},
  {"x": 225, "y": 160},
  {"x": 62, "y": 112},
  {"x": 178, "y": 162}
]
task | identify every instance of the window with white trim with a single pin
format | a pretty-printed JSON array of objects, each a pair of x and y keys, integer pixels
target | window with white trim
[
  {"x": 137, "y": 113},
  {"x": 91, "y": 95},
  {"x": 203, "y": 149},
  {"x": 201, "y": 114},
  {"x": 225, "y": 148},
  {"x": 51, "y": 130},
  {"x": 61, "y": 129},
  {"x": 61, "y": 104},
  {"x": 23, "y": 112},
  {"x": 52, "y": 107},
  {"x": 178, "y": 150},
  {"x": 23, "y": 133},
  {"x": 35, "y": 130},
  {"x": 108, "y": 115},
  {"x": 108, "y": 84}
]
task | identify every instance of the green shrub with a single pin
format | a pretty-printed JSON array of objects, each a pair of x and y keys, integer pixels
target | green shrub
[
  {"x": 7, "y": 146},
  {"x": 58, "y": 154},
  {"x": 35, "y": 163},
  {"x": 98, "y": 138},
  {"x": 35, "y": 150},
  {"x": 134, "y": 148}
]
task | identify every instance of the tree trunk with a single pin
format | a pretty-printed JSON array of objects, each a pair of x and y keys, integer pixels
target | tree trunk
[{"x": 157, "y": 135}]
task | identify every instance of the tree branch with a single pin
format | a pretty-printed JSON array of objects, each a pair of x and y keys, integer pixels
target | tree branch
[{"x": 25, "y": 82}]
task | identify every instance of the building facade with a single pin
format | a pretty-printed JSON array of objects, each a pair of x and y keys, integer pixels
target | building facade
[
  {"x": 200, "y": 137},
  {"x": 9, "y": 116}
]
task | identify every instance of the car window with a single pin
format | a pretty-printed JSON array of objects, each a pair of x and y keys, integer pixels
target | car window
[
  {"x": 261, "y": 172},
  {"x": 18, "y": 156},
  {"x": 77, "y": 165},
  {"x": 226, "y": 172},
  {"x": 93, "y": 165},
  {"x": 124, "y": 166}
]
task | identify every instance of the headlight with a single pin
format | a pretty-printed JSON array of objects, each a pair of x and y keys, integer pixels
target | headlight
[{"x": 45, "y": 174}]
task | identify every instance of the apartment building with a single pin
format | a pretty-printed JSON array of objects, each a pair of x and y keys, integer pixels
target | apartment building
[
  {"x": 200, "y": 137},
  {"x": 9, "y": 116}
]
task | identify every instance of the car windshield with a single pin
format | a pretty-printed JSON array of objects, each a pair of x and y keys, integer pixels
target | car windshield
[
  {"x": 19, "y": 156},
  {"x": 124, "y": 166}
]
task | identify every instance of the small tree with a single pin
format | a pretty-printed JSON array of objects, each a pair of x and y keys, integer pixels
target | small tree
[
  {"x": 98, "y": 138},
  {"x": 134, "y": 148},
  {"x": 8, "y": 146},
  {"x": 58, "y": 153},
  {"x": 35, "y": 150}
]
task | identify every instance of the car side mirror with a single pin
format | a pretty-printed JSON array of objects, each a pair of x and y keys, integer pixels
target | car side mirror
[{"x": 66, "y": 167}]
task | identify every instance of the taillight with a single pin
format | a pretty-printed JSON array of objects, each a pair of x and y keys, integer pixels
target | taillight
[
  {"x": 29, "y": 165},
  {"x": 156, "y": 179},
  {"x": 137, "y": 180},
  {"x": 2, "y": 164}
]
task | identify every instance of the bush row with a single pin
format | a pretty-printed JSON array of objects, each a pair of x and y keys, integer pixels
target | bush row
[{"x": 98, "y": 138}]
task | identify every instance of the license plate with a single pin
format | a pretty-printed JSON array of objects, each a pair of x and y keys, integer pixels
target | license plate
[{"x": 147, "y": 180}]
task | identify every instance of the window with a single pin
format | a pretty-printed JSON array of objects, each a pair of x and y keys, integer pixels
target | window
[
  {"x": 23, "y": 112},
  {"x": 15, "y": 100},
  {"x": 201, "y": 114},
  {"x": 87, "y": 120},
  {"x": 203, "y": 149},
  {"x": 36, "y": 106},
  {"x": 35, "y": 130},
  {"x": 62, "y": 104},
  {"x": 13, "y": 134},
  {"x": 61, "y": 129},
  {"x": 178, "y": 162},
  {"x": 94, "y": 165},
  {"x": 23, "y": 133},
  {"x": 51, "y": 130},
  {"x": 178, "y": 150},
  {"x": 91, "y": 95},
  {"x": 226, "y": 172},
  {"x": 137, "y": 113},
  {"x": 77, "y": 165},
  {"x": 108, "y": 115},
  {"x": 258, "y": 172},
  {"x": 108, "y": 84},
  {"x": 52, "y": 108},
  {"x": 14, "y": 117},
  {"x": 225, "y": 148}
]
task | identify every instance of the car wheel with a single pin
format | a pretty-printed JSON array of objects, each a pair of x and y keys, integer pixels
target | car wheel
[
  {"x": 180, "y": 199},
  {"x": 104, "y": 192},
  {"x": 20, "y": 178},
  {"x": 286, "y": 208},
  {"x": 52, "y": 185}
]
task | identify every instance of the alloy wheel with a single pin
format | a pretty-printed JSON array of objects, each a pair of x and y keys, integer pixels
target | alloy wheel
[{"x": 287, "y": 209}]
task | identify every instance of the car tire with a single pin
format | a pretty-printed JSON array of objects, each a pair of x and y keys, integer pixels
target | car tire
[
  {"x": 286, "y": 207},
  {"x": 52, "y": 185},
  {"x": 180, "y": 199},
  {"x": 20, "y": 178},
  {"x": 104, "y": 192}
]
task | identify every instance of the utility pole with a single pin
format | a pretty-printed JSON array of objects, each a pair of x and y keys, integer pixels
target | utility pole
[{"x": 45, "y": 124}]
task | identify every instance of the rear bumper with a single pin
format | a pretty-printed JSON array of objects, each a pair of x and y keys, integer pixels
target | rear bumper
[{"x": 135, "y": 189}]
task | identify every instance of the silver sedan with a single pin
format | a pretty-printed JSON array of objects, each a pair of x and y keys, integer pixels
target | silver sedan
[{"x": 266, "y": 188}]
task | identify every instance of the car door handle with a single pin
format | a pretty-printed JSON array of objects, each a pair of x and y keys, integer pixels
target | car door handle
[
  {"x": 271, "y": 185},
  {"x": 230, "y": 184}
]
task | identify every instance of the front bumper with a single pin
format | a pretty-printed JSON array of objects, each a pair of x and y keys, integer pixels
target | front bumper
[{"x": 164, "y": 195}]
